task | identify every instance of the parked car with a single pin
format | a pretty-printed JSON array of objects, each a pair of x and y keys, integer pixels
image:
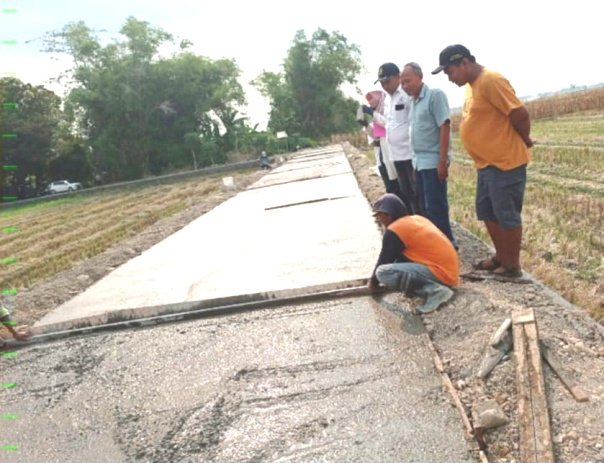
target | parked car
[{"x": 62, "y": 186}]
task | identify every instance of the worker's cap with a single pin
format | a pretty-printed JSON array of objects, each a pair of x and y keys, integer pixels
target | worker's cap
[
  {"x": 451, "y": 54},
  {"x": 390, "y": 204},
  {"x": 386, "y": 71}
]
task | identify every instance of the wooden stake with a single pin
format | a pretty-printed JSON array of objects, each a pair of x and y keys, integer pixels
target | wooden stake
[{"x": 562, "y": 374}]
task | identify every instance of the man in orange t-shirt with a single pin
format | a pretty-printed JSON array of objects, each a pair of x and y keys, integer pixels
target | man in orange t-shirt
[
  {"x": 416, "y": 257},
  {"x": 495, "y": 131}
]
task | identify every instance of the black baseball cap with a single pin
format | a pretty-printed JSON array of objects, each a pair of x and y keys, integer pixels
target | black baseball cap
[
  {"x": 390, "y": 204},
  {"x": 451, "y": 54},
  {"x": 386, "y": 71}
]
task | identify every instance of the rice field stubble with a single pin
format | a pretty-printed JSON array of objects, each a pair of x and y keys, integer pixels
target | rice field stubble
[{"x": 40, "y": 241}]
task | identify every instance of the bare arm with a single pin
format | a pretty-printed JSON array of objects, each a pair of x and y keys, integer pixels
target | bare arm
[
  {"x": 521, "y": 122},
  {"x": 18, "y": 334},
  {"x": 443, "y": 161}
]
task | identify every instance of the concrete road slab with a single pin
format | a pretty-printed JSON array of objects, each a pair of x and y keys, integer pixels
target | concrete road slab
[
  {"x": 343, "y": 380},
  {"x": 304, "y": 224},
  {"x": 308, "y": 166}
]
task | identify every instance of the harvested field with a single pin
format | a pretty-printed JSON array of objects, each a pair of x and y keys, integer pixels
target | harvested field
[{"x": 63, "y": 246}]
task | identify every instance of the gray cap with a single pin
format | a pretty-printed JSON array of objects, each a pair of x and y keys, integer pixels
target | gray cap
[{"x": 390, "y": 204}]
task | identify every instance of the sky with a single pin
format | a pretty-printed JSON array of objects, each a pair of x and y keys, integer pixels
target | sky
[{"x": 540, "y": 47}]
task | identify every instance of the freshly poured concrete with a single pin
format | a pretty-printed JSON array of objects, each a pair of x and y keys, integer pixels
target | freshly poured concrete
[
  {"x": 305, "y": 223},
  {"x": 331, "y": 381}
]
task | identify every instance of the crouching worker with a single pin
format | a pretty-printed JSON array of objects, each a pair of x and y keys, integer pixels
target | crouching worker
[
  {"x": 20, "y": 334},
  {"x": 265, "y": 162},
  {"x": 416, "y": 257}
]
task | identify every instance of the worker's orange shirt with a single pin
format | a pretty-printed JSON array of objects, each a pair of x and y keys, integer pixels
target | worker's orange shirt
[{"x": 426, "y": 244}]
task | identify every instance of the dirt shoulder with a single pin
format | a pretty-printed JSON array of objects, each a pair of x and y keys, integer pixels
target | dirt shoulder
[{"x": 461, "y": 332}]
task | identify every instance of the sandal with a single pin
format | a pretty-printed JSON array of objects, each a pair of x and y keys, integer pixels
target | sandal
[
  {"x": 489, "y": 264},
  {"x": 508, "y": 272}
]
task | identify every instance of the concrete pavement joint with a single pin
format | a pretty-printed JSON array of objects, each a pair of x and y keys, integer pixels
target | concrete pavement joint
[
  {"x": 124, "y": 319},
  {"x": 296, "y": 180},
  {"x": 305, "y": 202}
]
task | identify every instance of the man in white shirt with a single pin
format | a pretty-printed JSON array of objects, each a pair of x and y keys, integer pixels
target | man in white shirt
[{"x": 396, "y": 121}]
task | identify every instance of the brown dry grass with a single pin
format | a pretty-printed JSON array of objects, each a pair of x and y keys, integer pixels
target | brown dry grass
[
  {"x": 563, "y": 239},
  {"x": 54, "y": 236}
]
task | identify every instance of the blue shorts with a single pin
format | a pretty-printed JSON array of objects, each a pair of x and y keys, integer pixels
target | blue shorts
[{"x": 499, "y": 195}]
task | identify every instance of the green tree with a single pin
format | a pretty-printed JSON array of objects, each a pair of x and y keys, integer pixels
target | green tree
[
  {"x": 30, "y": 114},
  {"x": 135, "y": 107},
  {"x": 306, "y": 97},
  {"x": 70, "y": 157},
  {"x": 193, "y": 143}
]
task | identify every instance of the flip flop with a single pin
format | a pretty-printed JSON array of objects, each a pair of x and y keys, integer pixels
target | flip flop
[
  {"x": 490, "y": 276},
  {"x": 508, "y": 272},
  {"x": 489, "y": 264}
]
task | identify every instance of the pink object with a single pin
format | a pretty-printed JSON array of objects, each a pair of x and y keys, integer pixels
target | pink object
[
  {"x": 375, "y": 98},
  {"x": 378, "y": 131}
]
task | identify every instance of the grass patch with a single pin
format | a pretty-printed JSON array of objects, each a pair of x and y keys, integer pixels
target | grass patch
[
  {"x": 585, "y": 128},
  {"x": 26, "y": 208}
]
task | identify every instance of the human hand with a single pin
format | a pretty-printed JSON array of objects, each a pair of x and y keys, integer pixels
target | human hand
[
  {"x": 367, "y": 110},
  {"x": 374, "y": 287},
  {"x": 22, "y": 333},
  {"x": 442, "y": 170}
]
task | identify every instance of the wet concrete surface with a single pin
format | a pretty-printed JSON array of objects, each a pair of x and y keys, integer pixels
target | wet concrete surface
[
  {"x": 305, "y": 223},
  {"x": 345, "y": 380}
]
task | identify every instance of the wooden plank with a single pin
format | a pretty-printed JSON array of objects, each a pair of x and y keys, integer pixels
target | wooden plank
[
  {"x": 562, "y": 374},
  {"x": 523, "y": 316},
  {"x": 533, "y": 415},
  {"x": 544, "y": 447},
  {"x": 523, "y": 393},
  {"x": 474, "y": 276},
  {"x": 525, "y": 319}
]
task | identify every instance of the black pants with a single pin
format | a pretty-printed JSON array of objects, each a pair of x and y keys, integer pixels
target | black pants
[
  {"x": 407, "y": 186},
  {"x": 391, "y": 185}
]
